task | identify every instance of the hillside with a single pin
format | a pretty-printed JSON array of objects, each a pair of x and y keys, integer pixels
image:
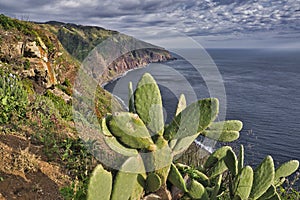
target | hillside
[{"x": 41, "y": 154}]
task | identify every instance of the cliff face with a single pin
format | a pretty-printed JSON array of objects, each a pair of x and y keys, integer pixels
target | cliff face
[
  {"x": 35, "y": 53},
  {"x": 79, "y": 41},
  {"x": 133, "y": 60},
  {"x": 49, "y": 54}
]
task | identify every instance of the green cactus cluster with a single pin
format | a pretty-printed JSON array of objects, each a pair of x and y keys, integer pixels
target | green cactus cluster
[
  {"x": 242, "y": 182},
  {"x": 260, "y": 183},
  {"x": 150, "y": 147}
]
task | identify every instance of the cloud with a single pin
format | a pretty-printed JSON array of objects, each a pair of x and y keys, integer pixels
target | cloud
[{"x": 194, "y": 18}]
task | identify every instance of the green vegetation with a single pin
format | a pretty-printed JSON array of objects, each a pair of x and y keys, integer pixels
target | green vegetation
[
  {"x": 8, "y": 23},
  {"x": 26, "y": 64},
  {"x": 65, "y": 109},
  {"x": 80, "y": 40},
  {"x": 13, "y": 97},
  {"x": 72, "y": 153},
  {"x": 222, "y": 176}
]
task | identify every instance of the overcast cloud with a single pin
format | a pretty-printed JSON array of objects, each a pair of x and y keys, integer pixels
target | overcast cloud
[{"x": 211, "y": 22}]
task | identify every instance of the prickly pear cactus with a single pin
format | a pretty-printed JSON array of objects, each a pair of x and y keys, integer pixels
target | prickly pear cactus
[
  {"x": 180, "y": 107},
  {"x": 181, "y": 104},
  {"x": 131, "y": 98},
  {"x": 243, "y": 183},
  {"x": 148, "y": 104},
  {"x": 126, "y": 180},
  {"x": 153, "y": 182},
  {"x": 226, "y": 131},
  {"x": 197, "y": 191},
  {"x": 100, "y": 185},
  {"x": 141, "y": 135},
  {"x": 241, "y": 158},
  {"x": 216, "y": 156},
  {"x": 176, "y": 179},
  {"x": 285, "y": 170},
  {"x": 231, "y": 162},
  {"x": 269, "y": 193},
  {"x": 114, "y": 144},
  {"x": 193, "y": 120},
  {"x": 130, "y": 130},
  {"x": 263, "y": 177}
]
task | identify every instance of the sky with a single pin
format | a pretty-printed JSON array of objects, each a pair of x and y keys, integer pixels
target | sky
[{"x": 211, "y": 23}]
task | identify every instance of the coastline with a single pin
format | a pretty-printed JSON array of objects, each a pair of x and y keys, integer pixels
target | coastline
[
  {"x": 121, "y": 75},
  {"x": 132, "y": 69}
]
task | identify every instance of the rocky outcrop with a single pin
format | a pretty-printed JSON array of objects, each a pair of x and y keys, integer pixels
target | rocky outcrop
[{"x": 39, "y": 66}]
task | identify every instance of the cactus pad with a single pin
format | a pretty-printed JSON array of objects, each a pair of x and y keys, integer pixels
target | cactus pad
[
  {"x": 176, "y": 179},
  {"x": 180, "y": 107},
  {"x": 138, "y": 189},
  {"x": 114, "y": 144},
  {"x": 125, "y": 180},
  {"x": 216, "y": 156},
  {"x": 231, "y": 162},
  {"x": 226, "y": 131},
  {"x": 229, "y": 125},
  {"x": 193, "y": 120},
  {"x": 131, "y": 98},
  {"x": 148, "y": 104},
  {"x": 243, "y": 183},
  {"x": 100, "y": 185},
  {"x": 285, "y": 170},
  {"x": 241, "y": 158},
  {"x": 183, "y": 143},
  {"x": 153, "y": 182},
  {"x": 221, "y": 136},
  {"x": 268, "y": 194},
  {"x": 218, "y": 168},
  {"x": 130, "y": 130},
  {"x": 197, "y": 191},
  {"x": 263, "y": 177},
  {"x": 181, "y": 104}
]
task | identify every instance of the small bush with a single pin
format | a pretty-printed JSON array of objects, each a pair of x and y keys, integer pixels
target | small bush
[
  {"x": 64, "y": 108},
  {"x": 13, "y": 97},
  {"x": 26, "y": 64}
]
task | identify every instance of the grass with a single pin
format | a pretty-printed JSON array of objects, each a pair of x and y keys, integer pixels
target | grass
[{"x": 64, "y": 109}]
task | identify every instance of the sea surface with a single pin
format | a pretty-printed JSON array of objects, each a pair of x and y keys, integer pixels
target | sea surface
[{"x": 262, "y": 89}]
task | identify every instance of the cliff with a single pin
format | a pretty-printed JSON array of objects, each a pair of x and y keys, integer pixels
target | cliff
[{"x": 49, "y": 54}]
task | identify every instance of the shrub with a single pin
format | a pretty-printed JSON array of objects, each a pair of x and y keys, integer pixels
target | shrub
[
  {"x": 26, "y": 64},
  {"x": 65, "y": 109},
  {"x": 13, "y": 97}
]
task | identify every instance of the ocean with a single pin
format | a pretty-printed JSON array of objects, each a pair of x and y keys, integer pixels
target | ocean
[{"x": 262, "y": 89}]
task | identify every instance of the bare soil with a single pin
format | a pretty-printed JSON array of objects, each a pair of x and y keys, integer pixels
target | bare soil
[{"x": 24, "y": 174}]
